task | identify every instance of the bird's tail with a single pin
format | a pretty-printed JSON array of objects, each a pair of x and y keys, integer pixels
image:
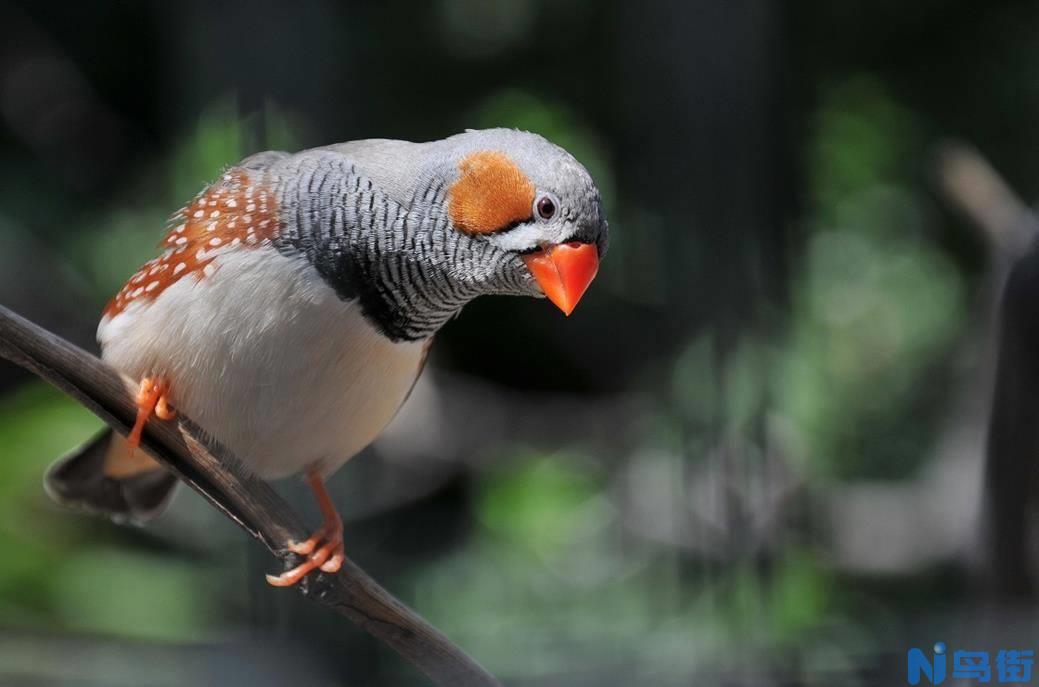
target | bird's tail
[{"x": 106, "y": 476}]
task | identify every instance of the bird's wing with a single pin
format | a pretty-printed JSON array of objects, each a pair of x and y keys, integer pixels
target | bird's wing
[{"x": 261, "y": 162}]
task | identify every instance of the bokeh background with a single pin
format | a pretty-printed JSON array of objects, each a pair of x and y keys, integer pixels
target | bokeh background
[{"x": 759, "y": 453}]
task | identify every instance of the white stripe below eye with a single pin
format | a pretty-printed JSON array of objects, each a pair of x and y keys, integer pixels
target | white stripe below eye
[{"x": 531, "y": 235}]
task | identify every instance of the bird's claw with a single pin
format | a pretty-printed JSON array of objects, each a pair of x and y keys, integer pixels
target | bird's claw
[
  {"x": 324, "y": 551},
  {"x": 152, "y": 398}
]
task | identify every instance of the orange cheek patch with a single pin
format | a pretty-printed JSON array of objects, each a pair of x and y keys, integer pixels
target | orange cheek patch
[
  {"x": 490, "y": 194},
  {"x": 236, "y": 212}
]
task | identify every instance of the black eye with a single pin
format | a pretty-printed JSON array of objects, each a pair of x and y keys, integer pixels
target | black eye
[{"x": 546, "y": 207}]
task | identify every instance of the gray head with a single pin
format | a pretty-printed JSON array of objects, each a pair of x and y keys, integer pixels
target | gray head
[
  {"x": 521, "y": 192},
  {"x": 527, "y": 207},
  {"x": 426, "y": 227}
]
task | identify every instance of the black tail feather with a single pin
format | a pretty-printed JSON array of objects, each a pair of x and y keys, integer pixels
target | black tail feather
[{"x": 78, "y": 480}]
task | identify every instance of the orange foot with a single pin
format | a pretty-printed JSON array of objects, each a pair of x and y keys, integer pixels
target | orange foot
[
  {"x": 152, "y": 397},
  {"x": 324, "y": 549}
]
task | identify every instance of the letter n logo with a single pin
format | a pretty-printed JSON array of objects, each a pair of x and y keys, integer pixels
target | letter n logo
[{"x": 918, "y": 664}]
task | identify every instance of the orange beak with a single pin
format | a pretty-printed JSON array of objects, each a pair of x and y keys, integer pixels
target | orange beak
[{"x": 564, "y": 271}]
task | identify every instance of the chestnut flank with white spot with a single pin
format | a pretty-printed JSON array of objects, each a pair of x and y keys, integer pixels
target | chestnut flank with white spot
[{"x": 202, "y": 236}]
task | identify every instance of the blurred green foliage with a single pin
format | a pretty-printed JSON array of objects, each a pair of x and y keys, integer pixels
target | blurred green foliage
[
  {"x": 540, "y": 505},
  {"x": 130, "y": 232},
  {"x": 877, "y": 303},
  {"x": 57, "y": 573}
]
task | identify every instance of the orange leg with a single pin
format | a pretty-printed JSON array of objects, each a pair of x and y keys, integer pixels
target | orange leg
[
  {"x": 324, "y": 549},
  {"x": 151, "y": 398}
]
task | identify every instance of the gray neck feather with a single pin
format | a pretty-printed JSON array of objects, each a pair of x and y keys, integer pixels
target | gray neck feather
[{"x": 405, "y": 263}]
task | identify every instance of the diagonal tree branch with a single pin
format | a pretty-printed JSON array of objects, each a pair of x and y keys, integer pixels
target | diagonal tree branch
[
  {"x": 974, "y": 187},
  {"x": 977, "y": 190},
  {"x": 211, "y": 470}
]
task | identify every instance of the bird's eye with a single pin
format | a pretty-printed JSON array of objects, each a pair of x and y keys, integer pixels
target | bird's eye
[{"x": 546, "y": 207}]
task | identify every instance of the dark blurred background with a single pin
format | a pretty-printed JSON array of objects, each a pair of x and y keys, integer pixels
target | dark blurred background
[{"x": 758, "y": 452}]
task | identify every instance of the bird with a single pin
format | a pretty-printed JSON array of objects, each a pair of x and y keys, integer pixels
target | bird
[{"x": 294, "y": 300}]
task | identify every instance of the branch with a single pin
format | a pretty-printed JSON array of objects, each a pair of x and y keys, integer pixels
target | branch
[
  {"x": 971, "y": 184},
  {"x": 212, "y": 471}
]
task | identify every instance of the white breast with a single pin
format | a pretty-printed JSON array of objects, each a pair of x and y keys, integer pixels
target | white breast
[{"x": 266, "y": 357}]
